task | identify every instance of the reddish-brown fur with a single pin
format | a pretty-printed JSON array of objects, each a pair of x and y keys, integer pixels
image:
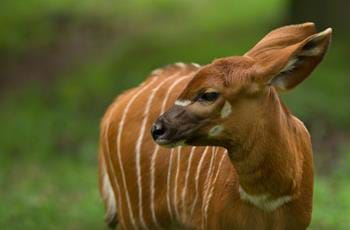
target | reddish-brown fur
[{"x": 272, "y": 153}]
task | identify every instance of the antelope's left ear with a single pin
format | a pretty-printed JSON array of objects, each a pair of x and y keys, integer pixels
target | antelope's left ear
[{"x": 284, "y": 67}]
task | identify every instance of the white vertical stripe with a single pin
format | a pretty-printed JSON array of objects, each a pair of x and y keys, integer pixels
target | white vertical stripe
[
  {"x": 109, "y": 162},
  {"x": 184, "y": 191},
  {"x": 207, "y": 182},
  {"x": 138, "y": 156},
  {"x": 120, "y": 131},
  {"x": 154, "y": 155},
  {"x": 199, "y": 167},
  {"x": 138, "y": 153},
  {"x": 212, "y": 187},
  {"x": 156, "y": 150},
  {"x": 108, "y": 192},
  {"x": 177, "y": 182},
  {"x": 168, "y": 184}
]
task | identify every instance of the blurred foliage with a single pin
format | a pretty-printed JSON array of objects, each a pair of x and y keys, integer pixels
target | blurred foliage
[
  {"x": 332, "y": 201},
  {"x": 48, "y": 176}
]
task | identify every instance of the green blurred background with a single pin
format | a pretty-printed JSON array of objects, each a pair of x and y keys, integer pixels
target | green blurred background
[{"x": 63, "y": 61}]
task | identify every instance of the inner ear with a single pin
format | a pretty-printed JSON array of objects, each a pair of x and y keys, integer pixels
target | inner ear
[
  {"x": 310, "y": 49},
  {"x": 302, "y": 61},
  {"x": 281, "y": 78}
]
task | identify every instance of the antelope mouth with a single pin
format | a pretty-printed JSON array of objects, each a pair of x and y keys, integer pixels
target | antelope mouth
[
  {"x": 171, "y": 130},
  {"x": 167, "y": 135},
  {"x": 170, "y": 139},
  {"x": 171, "y": 144}
]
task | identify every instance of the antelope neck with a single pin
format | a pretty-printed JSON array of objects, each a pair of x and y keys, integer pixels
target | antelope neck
[{"x": 268, "y": 164}]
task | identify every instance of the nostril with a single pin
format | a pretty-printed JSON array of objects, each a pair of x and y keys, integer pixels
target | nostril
[{"x": 158, "y": 130}]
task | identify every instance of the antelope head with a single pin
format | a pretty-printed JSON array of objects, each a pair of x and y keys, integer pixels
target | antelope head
[{"x": 226, "y": 99}]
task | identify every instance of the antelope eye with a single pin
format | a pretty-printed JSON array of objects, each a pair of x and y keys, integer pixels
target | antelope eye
[{"x": 208, "y": 97}]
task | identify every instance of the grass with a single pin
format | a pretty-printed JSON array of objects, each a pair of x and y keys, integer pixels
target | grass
[
  {"x": 37, "y": 196},
  {"x": 331, "y": 197}
]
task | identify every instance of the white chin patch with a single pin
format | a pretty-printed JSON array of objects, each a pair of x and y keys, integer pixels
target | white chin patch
[
  {"x": 182, "y": 102},
  {"x": 216, "y": 130},
  {"x": 176, "y": 144},
  {"x": 226, "y": 110}
]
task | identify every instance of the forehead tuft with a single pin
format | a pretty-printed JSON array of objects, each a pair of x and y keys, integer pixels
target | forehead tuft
[
  {"x": 223, "y": 72},
  {"x": 207, "y": 77},
  {"x": 236, "y": 69}
]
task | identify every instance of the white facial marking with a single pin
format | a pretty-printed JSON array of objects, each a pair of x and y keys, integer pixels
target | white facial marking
[
  {"x": 264, "y": 202},
  {"x": 183, "y": 103},
  {"x": 216, "y": 130},
  {"x": 226, "y": 110}
]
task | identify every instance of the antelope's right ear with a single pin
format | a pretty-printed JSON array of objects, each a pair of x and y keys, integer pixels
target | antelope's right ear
[{"x": 287, "y": 56}]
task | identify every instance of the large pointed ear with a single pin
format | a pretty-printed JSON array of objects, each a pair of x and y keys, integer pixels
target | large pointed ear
[{"x": 286, "y": 56}]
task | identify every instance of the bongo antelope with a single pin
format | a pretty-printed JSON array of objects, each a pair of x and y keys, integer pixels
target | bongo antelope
[{"x": 214, "y": 147}]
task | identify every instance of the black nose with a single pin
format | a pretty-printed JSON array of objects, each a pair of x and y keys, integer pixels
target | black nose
[{"x": 158, "y": 130}]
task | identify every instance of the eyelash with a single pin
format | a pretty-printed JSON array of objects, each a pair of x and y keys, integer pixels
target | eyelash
[{"x": 208, "y": 97}]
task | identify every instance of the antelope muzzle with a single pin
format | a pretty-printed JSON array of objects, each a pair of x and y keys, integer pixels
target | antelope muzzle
[{"x": 174, "y": 127}]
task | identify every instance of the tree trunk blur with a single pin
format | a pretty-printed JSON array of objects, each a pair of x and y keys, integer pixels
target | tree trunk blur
[{"x": 325, "y": 13}]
